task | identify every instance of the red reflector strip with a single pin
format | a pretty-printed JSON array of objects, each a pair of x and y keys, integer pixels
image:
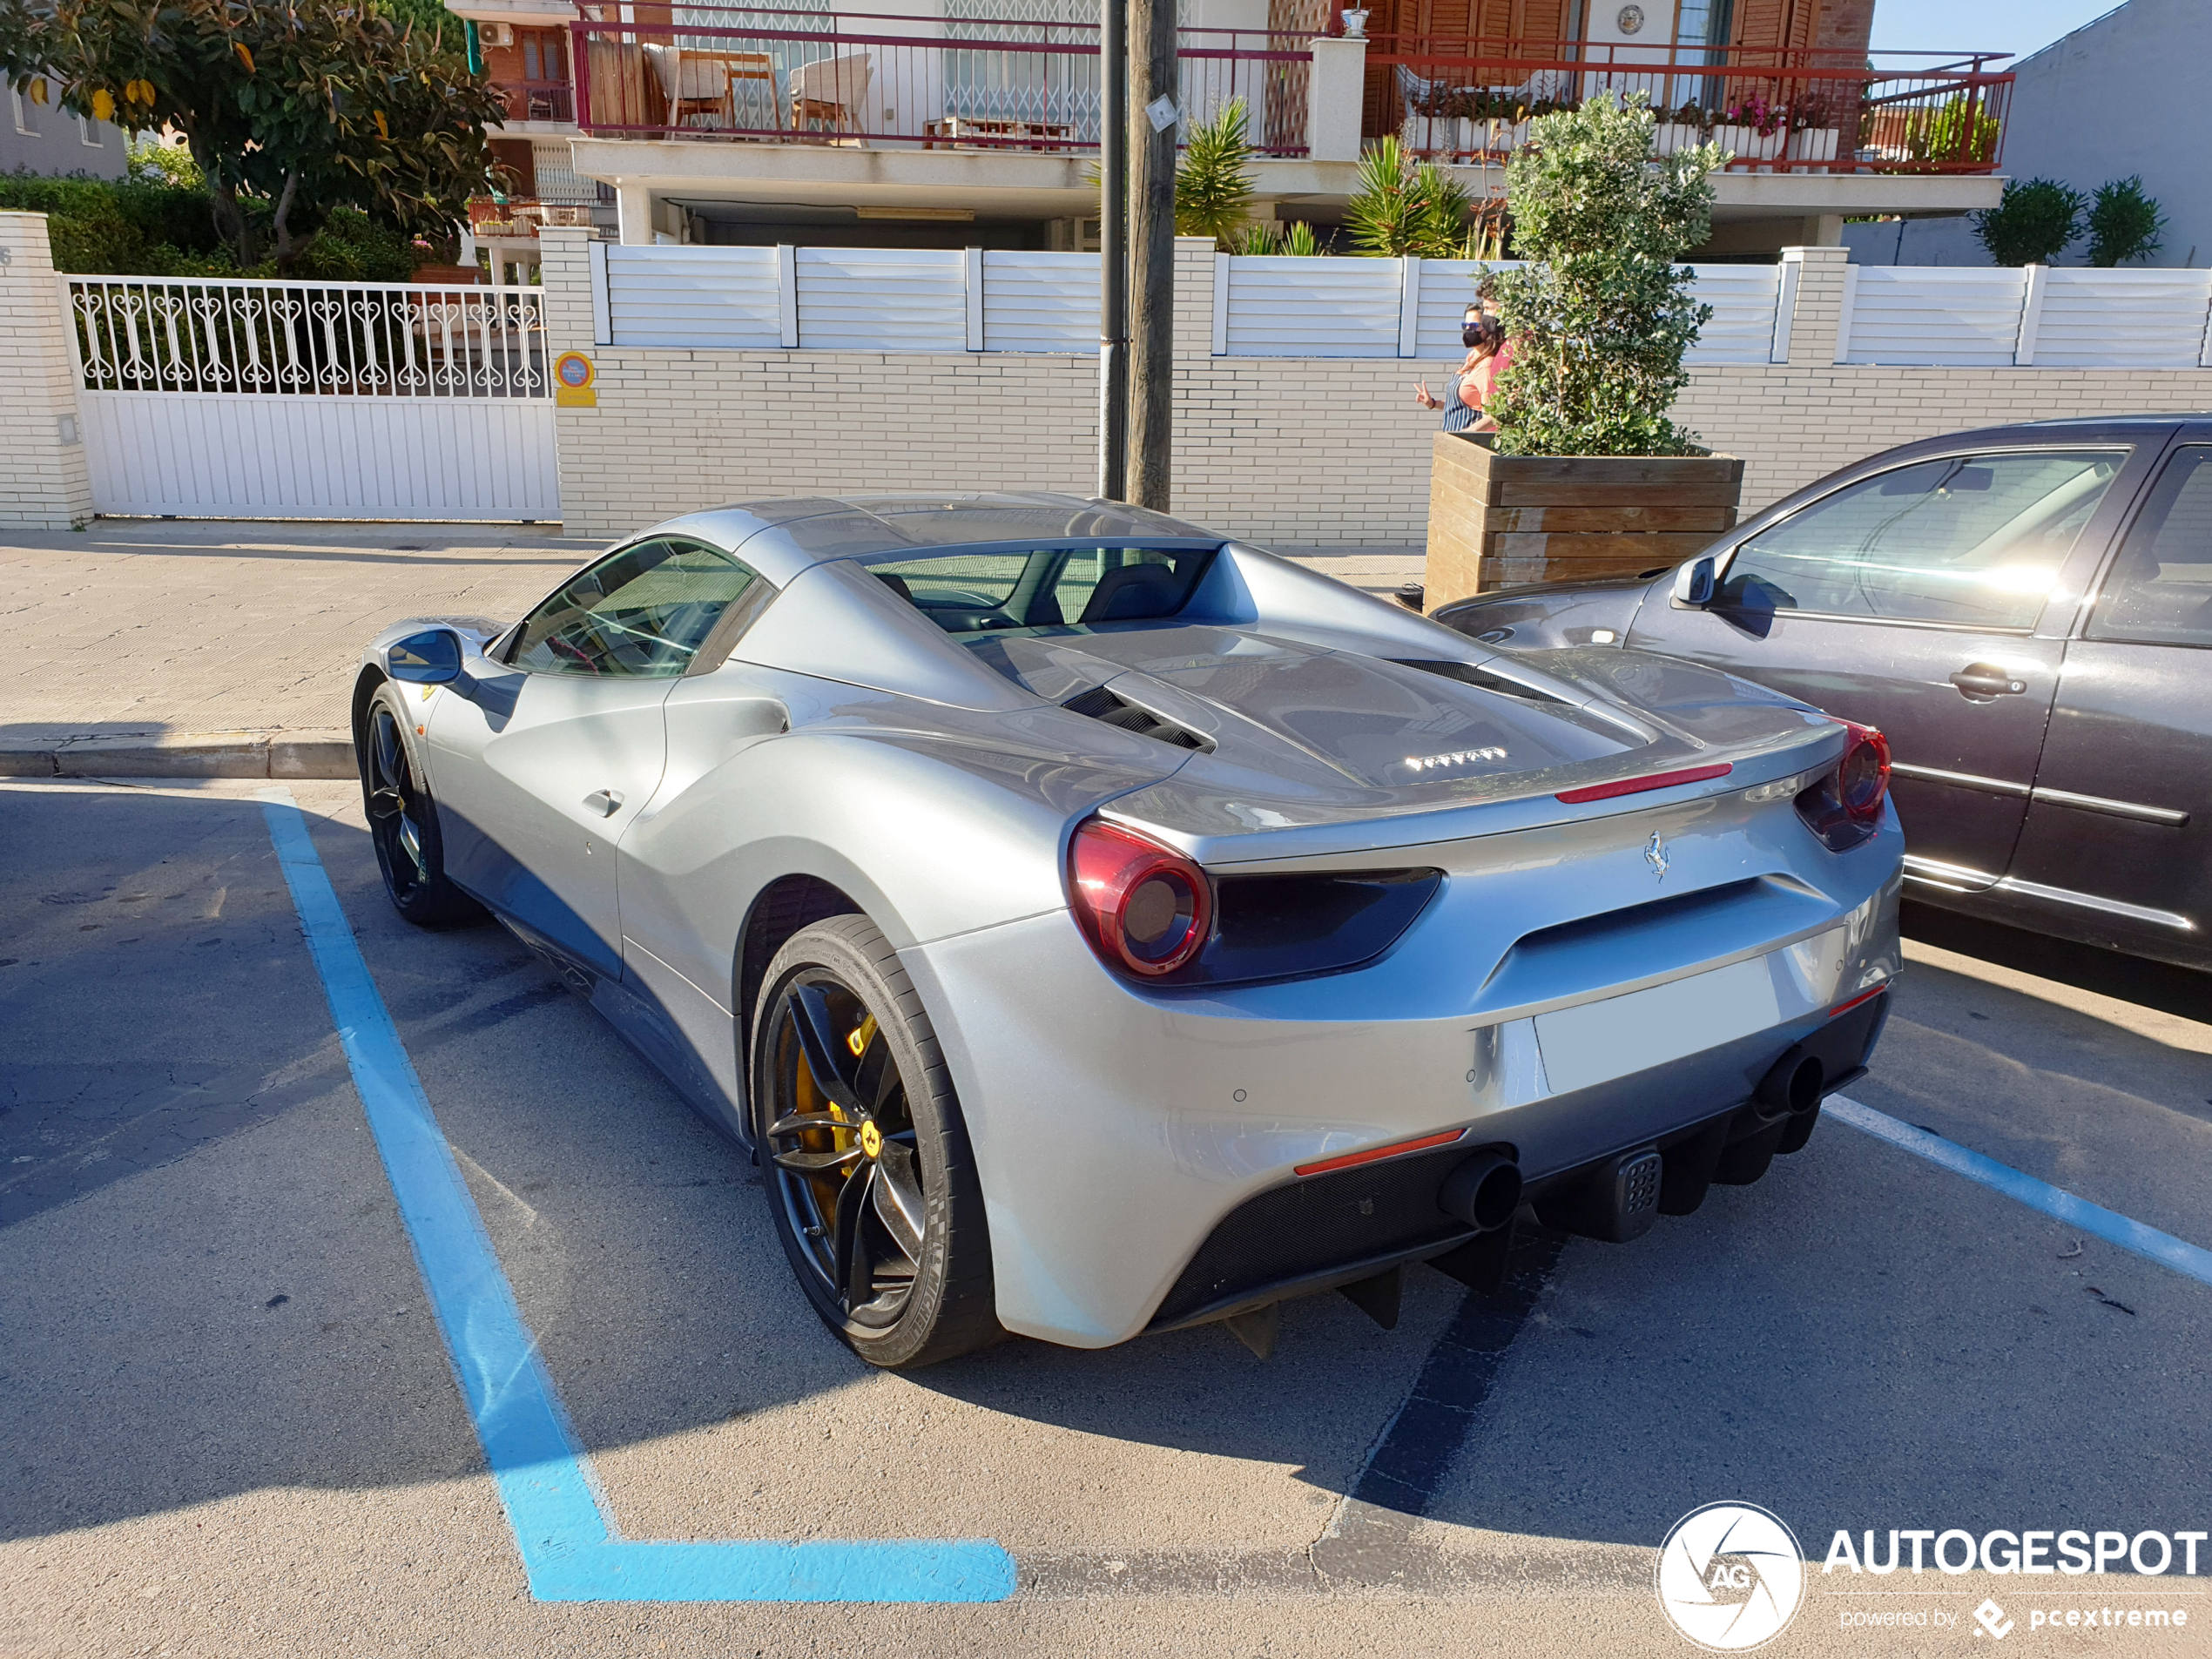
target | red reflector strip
[
  {"x": 1845, "y": 1007},
  {"x": 1637, "y": 786},
  {"x": 1374, "y": 1152}
]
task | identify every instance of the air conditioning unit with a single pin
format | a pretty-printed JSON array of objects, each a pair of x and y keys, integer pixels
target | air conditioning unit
[{"x": 496, "y": 34}]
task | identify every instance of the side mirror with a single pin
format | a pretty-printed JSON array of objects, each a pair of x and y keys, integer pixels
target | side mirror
[
  {"x": 431, "y": 657},
  {"x": 1693, "y": 583}
]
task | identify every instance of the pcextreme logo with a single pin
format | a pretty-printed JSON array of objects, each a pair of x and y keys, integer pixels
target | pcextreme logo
[{"x": 1731, "y": 1577}]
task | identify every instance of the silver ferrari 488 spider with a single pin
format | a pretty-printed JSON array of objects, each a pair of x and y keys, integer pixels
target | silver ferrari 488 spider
[{"x": 1095, "y": 926}]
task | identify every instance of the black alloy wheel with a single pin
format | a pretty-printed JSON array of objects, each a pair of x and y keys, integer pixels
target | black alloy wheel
[
  {"x": 403, "y": 823},
  {"x": 842, "y": 1143},
  {"x": 873, "y": 1191}
]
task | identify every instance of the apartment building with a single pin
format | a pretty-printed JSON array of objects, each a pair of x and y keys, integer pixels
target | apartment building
[{"x": 974, "y": 122}]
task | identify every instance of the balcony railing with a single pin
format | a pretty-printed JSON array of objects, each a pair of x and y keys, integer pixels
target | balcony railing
[
  {"x": 892, "y": 81},
  {"x": 1470, "y": 101},
  {"x": 538, "y": 100},
  {"x": 493, "y": 219}
]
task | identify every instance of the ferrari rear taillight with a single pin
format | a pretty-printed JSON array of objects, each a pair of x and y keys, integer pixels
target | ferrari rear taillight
[
  {"x": 1145, "y": 908},
  {"x": 1844, "y": 807},
  {"x": 1863, "y": 779}
]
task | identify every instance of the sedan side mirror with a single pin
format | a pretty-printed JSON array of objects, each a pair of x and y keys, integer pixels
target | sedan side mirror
[
  {"x": 1693, "y": 583},
  {"x": 431, "y": 657}
]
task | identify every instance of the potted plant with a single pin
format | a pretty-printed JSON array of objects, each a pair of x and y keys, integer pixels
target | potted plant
[
  {"x": 1586, "y": 473},
  {"x": 1752, "y": 130},
  {"x": 1683, "y": 129}
]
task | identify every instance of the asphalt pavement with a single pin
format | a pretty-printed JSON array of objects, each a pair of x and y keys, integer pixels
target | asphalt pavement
[{"x": 233, "y": 1425}]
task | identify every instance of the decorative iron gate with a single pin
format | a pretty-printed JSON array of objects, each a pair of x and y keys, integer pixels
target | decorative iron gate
[{"x": 227, "y": 398}]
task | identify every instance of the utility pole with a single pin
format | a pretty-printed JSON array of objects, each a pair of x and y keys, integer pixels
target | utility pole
[
  {"x": 1113, "y": 253},
  {"x": 1153, "y": 116}
]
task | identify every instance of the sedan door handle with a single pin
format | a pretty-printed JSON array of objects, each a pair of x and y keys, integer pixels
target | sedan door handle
[
  {"x": 1978, "y": 680},
  {"x": 605, "y": 802}
]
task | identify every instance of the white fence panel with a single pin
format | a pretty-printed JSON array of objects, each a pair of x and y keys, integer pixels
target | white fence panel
[
  {"x": 253, "y": 456},
  {"x": 1742, "y": 298},
  {"x": 1448, "y": 289},
  {"x": 1287, "y": 307},
  {"x": 1040, "y": 302},
  {"x": 875, "y": 299},
  {"x": 712, "y": 298},
  {"x": 2122, "y": 319},
  {"x": 1908, "y": 314}
]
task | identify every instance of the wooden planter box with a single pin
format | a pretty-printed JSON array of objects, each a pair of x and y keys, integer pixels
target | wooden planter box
[{"x": 1504, "y": 520}]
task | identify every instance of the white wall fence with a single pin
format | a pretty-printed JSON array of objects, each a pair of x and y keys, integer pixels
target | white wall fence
[
  {"x": 928, "y": 300},
  {"x": 769, "y": 298},
  {"x": 2032, "y": 316}
]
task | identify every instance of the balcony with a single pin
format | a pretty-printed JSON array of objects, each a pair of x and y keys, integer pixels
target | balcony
[
  {"x": 538, "y": 100},
  {"x": 890, "y": 81},
  {"x": 1469, "y": 102},
  {"x": 520, "y": 219}
]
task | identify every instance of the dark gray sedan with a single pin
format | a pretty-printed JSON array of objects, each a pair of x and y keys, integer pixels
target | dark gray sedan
[{"x": 2025, "y": 611}]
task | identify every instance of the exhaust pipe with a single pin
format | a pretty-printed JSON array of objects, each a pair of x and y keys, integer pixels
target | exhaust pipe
[
  {"x": 1792, "y": 1085},
  {"x": 1483, "y": 1192}
]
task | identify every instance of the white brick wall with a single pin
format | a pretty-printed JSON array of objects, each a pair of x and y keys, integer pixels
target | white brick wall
[
  {"x": 44, "y": 484},
  {"x": 1298, "y": 451}
]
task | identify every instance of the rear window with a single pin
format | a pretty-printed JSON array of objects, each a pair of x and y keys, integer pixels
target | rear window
[{"x": 1047, "y": 589}]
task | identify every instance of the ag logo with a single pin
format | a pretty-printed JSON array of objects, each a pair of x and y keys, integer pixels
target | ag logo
[{"x": 1731, "y": 1577}]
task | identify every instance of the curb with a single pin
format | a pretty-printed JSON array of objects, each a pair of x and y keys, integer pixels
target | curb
[{"x": 183, "y": 754}]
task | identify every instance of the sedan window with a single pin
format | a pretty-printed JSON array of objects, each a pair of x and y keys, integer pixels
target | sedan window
[
  {"x": 1965, "y": 541},
  {"x": 1059, "y": 587},
  {"x": 2160, "y": 591},
  {"x": 641, "y": 613}
]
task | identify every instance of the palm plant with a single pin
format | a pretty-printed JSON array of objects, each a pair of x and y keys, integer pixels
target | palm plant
[
  {"x": 1213, "y": 193},
  {"x": 1406, "y": 211}
]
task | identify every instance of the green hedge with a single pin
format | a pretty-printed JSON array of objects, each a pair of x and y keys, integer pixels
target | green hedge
[{"x": 138, "y": 228}]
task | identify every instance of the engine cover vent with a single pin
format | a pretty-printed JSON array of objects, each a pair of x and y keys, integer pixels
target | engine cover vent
[
  {"x": 1469, "y": 674},
  {"x": 1099, "y": 703}
]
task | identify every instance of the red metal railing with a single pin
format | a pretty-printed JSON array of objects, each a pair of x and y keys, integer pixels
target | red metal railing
[
  {"x": 884, "y": 79},
  {"x": 1470, "y": 101}
]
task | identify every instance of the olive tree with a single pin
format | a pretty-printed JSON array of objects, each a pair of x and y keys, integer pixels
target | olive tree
[{"x": 1601, "y": 315}]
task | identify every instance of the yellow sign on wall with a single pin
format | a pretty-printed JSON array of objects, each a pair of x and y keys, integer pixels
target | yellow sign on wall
[{"x": 574, "y": 381}]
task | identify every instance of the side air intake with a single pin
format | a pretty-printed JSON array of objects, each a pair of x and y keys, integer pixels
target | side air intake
[{"x": 1099, "y": 703}]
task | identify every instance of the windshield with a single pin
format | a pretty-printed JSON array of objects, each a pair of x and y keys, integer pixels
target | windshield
[{"x": 1066, "y": 590}]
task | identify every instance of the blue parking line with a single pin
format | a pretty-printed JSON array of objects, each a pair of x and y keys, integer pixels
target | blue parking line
[
  {"x": 569, "y": 1550},
  {"x": 2189, "y": 1260}
]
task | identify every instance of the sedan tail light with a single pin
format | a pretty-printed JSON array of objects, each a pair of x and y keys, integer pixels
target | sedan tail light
[
  {"x": 1844, "y": 808},
  {"x": 1145, "y": 908}
]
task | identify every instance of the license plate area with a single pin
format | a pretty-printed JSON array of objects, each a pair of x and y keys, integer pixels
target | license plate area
[{"x": 1594, "y": 1042}]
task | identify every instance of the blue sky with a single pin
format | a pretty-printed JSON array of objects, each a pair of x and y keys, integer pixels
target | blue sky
[{"x": 2015, "y": 26}]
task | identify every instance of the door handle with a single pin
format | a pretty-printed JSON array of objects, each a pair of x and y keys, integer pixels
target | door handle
[
  {"x": 1980, "y": 681},
  {"x": 605, "y": 802}
]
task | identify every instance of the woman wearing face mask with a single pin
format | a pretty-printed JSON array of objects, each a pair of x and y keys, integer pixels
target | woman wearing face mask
[{"x": 1488, "y": 352}]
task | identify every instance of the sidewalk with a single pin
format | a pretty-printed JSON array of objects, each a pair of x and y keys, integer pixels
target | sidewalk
[{"x": 195, "y": 648}]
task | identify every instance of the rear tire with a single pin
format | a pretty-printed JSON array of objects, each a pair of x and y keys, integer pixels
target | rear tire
[
  {"x": 869, "y": 1171},
  {"x": 403, "y": 820}
]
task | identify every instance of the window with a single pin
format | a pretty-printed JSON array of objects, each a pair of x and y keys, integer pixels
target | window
[
  {"x": 641, "y": 613},
  {"x": 974, "y": 593},
  {"x": 1967, "y": 541},
  {"x": 544, "y": 56},
  {"x": 25, "y": 111},
  {"x": 88, "y": 131},
  {"x": 2159, "y": 590}
]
